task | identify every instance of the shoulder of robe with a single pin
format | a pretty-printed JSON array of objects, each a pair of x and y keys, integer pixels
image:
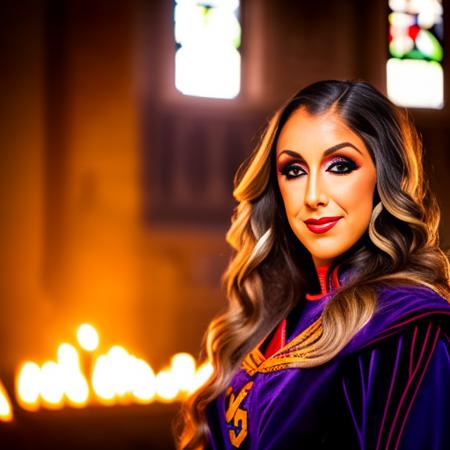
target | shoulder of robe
[{"x": 400, "y": 308}]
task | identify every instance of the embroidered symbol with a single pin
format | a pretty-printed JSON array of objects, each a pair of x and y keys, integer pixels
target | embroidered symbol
[{"x": 236, "y": 414}]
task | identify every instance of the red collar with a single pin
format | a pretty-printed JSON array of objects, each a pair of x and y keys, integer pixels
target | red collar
[
  {"x": 325, "y": 285},
  {"x": 278, "y": 339}
]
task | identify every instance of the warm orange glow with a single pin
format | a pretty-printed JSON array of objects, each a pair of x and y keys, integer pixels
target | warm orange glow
[
  {"x": 87, "y": 337},
  {"x": 183, "y": 371},
  {"x": 117, "y": 377},
  {"x": 123, "y": 377},
  {"x": 77, "y": 390},
  {"x": 68, "y": 357},
  {"x": 166, "y": 386},
  {"x": 75, "y": 386},
  {"x": 53, "y": 382},
  {"x": 144, "y": 386},
  {"x": 102, "y": 382},
  {"x": 202, "y": 375},
  {"x": 28, "y": 386},
  {"x": 119, "y": 364},
  {"x": 6, "y": 414},
  {"x": 119, "y": 371},
  {"x": 52, "y": 385}
]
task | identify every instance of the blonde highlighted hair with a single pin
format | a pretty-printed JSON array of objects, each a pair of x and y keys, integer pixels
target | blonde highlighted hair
[{"x": 270, "y": 270}]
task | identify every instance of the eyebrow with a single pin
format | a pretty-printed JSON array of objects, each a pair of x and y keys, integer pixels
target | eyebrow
[{"x": 327, "y": 152}]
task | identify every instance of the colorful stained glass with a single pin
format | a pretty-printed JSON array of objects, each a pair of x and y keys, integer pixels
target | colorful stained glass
[
  {"x": 414, "y": 69},
  {"x": 208, "y": 38}
]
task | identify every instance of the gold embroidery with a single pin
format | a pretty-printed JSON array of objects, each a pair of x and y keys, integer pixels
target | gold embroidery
[
  {"x": 294, "y": 351},
  {"x": 252, "y": 361},
  {"x": 306, "y": 337},
  {"x": 236, "y": 414}
]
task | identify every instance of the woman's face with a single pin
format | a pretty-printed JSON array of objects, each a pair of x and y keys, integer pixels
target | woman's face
[{"x": 327, "y": 181}]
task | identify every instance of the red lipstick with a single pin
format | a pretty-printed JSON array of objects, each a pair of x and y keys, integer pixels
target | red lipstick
[{"x": 322, "y": 224}]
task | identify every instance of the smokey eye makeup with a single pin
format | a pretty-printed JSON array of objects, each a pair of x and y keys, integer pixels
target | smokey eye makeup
[
  {"x": 291, "y": 170},
  {"x": 339, "y": 165},
  {"x": 342, "y": 165}
]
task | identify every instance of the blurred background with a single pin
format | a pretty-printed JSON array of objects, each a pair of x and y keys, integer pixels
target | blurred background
[{"x": 122, "y": 124}]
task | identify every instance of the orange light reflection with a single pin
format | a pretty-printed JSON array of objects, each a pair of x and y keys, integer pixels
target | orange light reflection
[
  {"x": 6, "y": 413},
  {"x": 117, "y": 377}
]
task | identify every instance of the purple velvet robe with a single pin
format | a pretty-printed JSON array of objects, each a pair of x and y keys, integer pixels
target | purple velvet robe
[{"x": 389, "y": 388}]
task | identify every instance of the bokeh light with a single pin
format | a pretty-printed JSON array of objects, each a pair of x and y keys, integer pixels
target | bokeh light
[
  {"x": 87, "y": 337},
  {"x": 6, "y": 412}
]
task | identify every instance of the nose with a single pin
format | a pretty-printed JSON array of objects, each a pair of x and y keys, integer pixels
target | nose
[{"x": 315, "y": 194}]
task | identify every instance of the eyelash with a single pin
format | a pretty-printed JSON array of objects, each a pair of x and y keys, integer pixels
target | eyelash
[{"x": 340, "y": 161}]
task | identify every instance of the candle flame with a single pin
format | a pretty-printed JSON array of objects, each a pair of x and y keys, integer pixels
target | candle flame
[
  {"x": 87, "y": 337},
  {"x": 52, "y": 387},
  {"x": 75, "y": 386},
  {"x": 28, "y": 386},
  {"x": 115, "y": 377},
  {"x": 144, "y": 386},
  {"x": 166, "y": 386},
  {"x": 183, "y": 370},
  {"x": 6, "y": 413},
  {"x": 121, "y": 376},
  {"x": 202, "y": 375}
]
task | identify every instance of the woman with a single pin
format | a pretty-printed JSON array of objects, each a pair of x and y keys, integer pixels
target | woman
[{"x": 336, "y": 333}]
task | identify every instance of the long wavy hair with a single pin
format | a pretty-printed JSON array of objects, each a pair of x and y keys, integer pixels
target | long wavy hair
[{"x": 270, "y": 270}]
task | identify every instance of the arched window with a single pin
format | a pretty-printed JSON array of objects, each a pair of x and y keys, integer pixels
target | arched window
[
  {"x": 415, "y": 77},
  {"x": 208, "y": 38}
]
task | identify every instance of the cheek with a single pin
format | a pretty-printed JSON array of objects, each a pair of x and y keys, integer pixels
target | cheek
[
  {"x": 356, "y": 195},
  {"x": 292, "y": 195}
]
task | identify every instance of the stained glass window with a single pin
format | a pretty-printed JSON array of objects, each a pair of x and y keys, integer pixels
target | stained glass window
[
  {"x": 415, "y": 77},
  {"x": 208, "y": 38}
]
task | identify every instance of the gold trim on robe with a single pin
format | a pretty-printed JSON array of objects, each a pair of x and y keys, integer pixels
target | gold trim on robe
[{"x": 294, "y": 351}]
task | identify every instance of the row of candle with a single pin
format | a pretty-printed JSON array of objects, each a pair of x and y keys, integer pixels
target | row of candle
[{"x": 77, "y": 380}]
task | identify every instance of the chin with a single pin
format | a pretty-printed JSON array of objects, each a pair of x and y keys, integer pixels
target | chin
[
  {"x": 326, "y": 254},
  {"x": 324, "y": 260}
]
